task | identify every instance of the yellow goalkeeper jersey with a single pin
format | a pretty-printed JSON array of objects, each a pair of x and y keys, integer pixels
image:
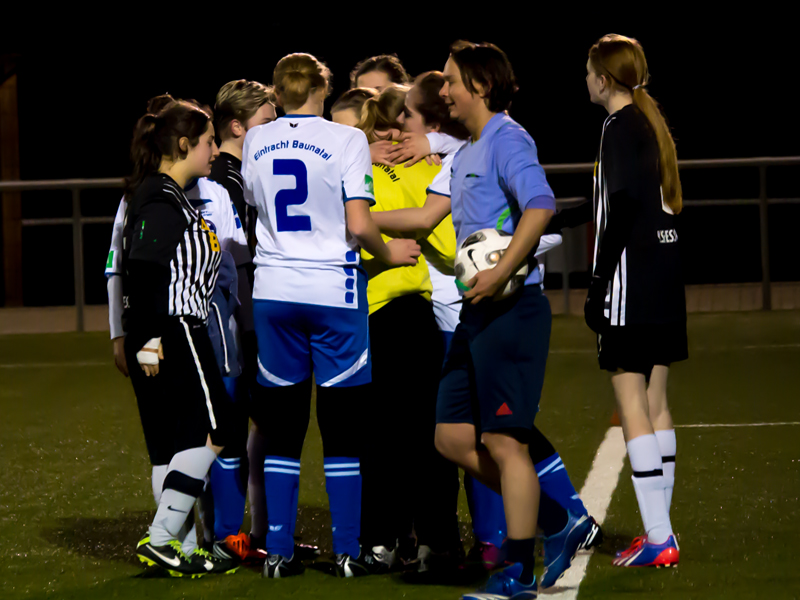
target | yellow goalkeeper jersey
[{"x": 400, "y": 187}]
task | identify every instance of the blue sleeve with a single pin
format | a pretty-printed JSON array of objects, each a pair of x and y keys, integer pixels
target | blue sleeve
[{"x": 520, "y": 172}]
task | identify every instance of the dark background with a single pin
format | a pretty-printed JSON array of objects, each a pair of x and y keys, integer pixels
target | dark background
[{"x": 724, "y": 82}]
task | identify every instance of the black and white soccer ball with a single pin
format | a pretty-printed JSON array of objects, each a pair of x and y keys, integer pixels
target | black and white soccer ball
[{"x": 483, "y": 250}]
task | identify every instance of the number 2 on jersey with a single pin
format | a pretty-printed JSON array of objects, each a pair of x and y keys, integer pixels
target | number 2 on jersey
[{"x": 286, "y": 198}]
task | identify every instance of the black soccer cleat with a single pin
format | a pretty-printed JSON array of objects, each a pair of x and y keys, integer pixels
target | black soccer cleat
[
  {"x": 377, "y": 561},
  {"x": 280, "y": 567},
  {"x": 594, "y": 537},
  {"x": 213, "y": 562},
  {"x": 306, "y": 551},
  {"x": 169, "y": 557}
]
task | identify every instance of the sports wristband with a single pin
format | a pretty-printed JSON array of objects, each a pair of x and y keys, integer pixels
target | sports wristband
[{"x": 149, "y": 358}]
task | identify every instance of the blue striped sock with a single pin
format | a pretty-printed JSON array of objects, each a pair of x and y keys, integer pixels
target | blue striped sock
[
  {"x": 228, "y": 490},
  {"x": 555, "y": 482},
  {"x": 281, "y": 481},
  {"x": 343, "y": 483},
  {"x": 486, "y": 509}
]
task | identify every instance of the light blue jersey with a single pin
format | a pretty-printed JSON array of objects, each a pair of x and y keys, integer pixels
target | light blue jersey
[{"x": 497, "y": 178}]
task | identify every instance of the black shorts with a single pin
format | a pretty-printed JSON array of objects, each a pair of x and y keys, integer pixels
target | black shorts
[
  {"x": 494, "y": 370},
  {"x": 638, "y": 348},
  {"x": 187, "y": 400}
]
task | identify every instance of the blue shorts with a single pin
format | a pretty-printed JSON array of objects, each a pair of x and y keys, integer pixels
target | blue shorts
[
  {"x": 494, "y": 370},
  {"x": 295, "y": 339}
]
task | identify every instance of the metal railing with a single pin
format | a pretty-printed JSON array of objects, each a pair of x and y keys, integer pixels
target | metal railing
[{"x": 77, "y": 220}]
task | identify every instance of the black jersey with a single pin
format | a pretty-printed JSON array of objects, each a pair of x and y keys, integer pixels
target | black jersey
[
  {"x": 643, "y": 262},
  {"x": 170, "y": 257},
  {"x": 226, "y": 170}
]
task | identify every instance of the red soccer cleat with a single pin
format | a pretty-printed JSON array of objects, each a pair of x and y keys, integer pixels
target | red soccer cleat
[{"x": 646, "y": 554}]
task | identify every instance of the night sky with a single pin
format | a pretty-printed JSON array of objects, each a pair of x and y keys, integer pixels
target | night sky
[{"x": 723, "y": 85}]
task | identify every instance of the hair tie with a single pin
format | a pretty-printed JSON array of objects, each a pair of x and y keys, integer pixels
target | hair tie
[{"x": 636, "y": 87}]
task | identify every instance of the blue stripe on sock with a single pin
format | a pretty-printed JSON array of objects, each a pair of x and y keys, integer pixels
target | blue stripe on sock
[
  {"x": 228, "y": 491},
  {"x": 343, "y": 483},
  {"x": 555, "y": 482},
  {"x": 281, "y": 483}
]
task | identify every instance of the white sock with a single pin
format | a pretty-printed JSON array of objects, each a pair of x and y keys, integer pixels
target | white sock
[
  {"x": 648, "y": 482},
  {"x": 188, "y": 533},
  {"x": 159, "y": 474},
  {"x": 669, "y": 447},
  {"x": 182, "y": 485}
]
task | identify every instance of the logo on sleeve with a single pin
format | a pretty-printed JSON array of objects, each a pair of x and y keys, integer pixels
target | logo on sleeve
[
  {"x": 369, "y": 186},
  {"x": 110, "y": 261}
]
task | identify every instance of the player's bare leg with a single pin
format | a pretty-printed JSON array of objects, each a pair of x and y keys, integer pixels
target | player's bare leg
[
  {"x": 518, "y": 482},
  {"x": 658, "y": 546}
]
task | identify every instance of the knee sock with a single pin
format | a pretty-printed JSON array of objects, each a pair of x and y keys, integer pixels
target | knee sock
[
  {"x": 648, "y": 482},
  {"x": 205, "y": 506},
  {"x": 342, "y": 463},
  {"x": 182, "y": 485},
  {"x": 554, "y": 480},
  {"x": 256, "y": 453},
  {"x": 486, "y": 510},
  {"x": 188, "y": 533},
  {"x": 281, "y": 481},
  {"x": 228, "y": 490},
  {"x": 668, "y": 446},
  {"x": 522, "y": 551},
  {"x": 552, "y": 473},
  {"x": 343, "y": 484},
  {"x": 553, "y": 517}
]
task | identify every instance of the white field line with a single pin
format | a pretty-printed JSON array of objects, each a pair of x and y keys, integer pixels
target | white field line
[
  {"x": 704, "y": 425},
  {"x": 596, "y": 495}
]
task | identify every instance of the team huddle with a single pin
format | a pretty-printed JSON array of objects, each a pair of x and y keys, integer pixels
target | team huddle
[{"x": 387, "y": 262}]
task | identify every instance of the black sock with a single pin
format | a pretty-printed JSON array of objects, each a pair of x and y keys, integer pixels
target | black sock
[
  {"x": 552, "y": 516},
  {"x": 522, "y": 551}
]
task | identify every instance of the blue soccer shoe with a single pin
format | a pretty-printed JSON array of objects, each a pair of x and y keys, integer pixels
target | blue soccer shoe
[
  {"x": 560, "y": 548},
  {"x": 505, "y": 586}
]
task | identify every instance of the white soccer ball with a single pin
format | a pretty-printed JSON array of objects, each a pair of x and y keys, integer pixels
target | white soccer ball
[{"x": 483, "y": 250}]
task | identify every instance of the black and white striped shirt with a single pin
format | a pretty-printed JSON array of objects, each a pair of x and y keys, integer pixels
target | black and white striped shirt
[
  {"x": 170, "y": 256},
  {"x": 636, "y": 241}
]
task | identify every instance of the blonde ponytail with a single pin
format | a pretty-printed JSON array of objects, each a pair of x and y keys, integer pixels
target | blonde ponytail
[
  {"x": 622, "y": 60},
  {"x": 296, "y": 76},
  {"x": 381, "y": 112}
]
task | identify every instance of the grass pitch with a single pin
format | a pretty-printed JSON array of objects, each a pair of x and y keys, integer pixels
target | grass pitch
[{"x": 75, "y": 490}]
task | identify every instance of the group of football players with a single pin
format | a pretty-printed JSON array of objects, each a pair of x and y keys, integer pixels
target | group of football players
[{"x": 386, "y": 263}]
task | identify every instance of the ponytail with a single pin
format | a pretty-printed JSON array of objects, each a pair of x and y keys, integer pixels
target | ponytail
[
  {"x": 295, "y": 76},
  {"x": 145, "y": 155},
  {"x": 158, "y": 132},
  {"x": 382, "y": 111},
  {"x": 670, "y": 179},
  {"x": 621, "y": 59}
]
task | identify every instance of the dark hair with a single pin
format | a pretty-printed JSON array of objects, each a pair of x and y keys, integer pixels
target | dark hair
[
  {"x": 385, "y": 63},
  {"x": 433, "y": 108},
  {"x": 353, "y": 99},
  {"x": 156, "y": 135},
  {"x": 488, "y": 66}
]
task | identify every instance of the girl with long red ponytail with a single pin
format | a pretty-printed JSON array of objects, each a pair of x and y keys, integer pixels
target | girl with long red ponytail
[{"x": 636, "y": 302}]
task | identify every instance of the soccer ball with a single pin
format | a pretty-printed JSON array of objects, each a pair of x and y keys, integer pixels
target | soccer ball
[{"x": 483, "y": 250}]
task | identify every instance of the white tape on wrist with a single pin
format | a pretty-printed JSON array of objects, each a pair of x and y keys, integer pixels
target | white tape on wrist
[{"x": 149, "y": 358}]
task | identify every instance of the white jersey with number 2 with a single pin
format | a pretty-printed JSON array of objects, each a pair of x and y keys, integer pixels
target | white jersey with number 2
[{"x": 299, "y": 172}]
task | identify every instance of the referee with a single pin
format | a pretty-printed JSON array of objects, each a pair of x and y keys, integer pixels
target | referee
[
  {"x": 636, "y": 302},
  {"x": 170, "y": 264}
]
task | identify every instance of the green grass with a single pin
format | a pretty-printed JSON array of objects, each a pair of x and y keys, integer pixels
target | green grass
[{"x": 75, "y": 491}]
